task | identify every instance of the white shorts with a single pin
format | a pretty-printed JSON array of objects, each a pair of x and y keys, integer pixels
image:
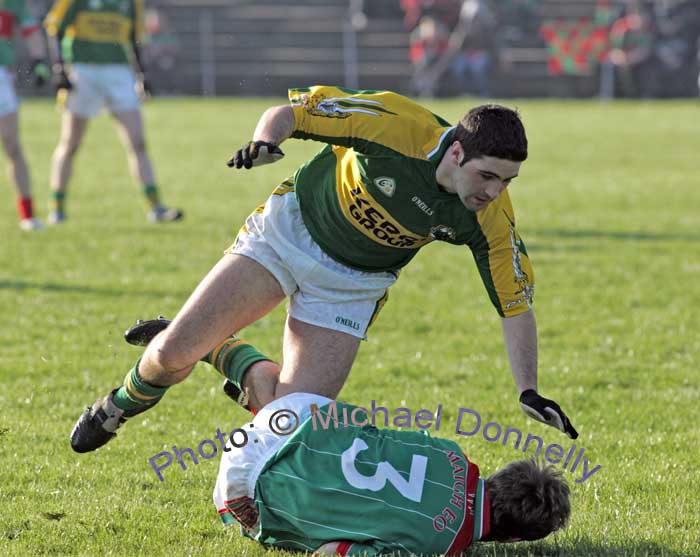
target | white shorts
[
  {"x": 99, "y": 85},
  {"x": 240, "y": 466},
  {"x": 9, "y": 102},
  {"x": 322, "y": 291}
]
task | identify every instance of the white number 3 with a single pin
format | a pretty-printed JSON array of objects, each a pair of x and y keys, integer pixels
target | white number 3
[{"x": 411, "y": 489}]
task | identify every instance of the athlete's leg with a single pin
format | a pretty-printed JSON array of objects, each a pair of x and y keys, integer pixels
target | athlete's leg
[
  {"x": 17, "y": 169},
  {"x": 131, "y": 132},
  {"x": 235, "y": 293},
  {"x": 72, "y": 132},
  {"x": 315, "y": 359},
  {"x": 260, "y": 382}
]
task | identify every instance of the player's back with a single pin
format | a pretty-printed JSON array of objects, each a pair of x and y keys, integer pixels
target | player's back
[{"x": 392, "y": 490}]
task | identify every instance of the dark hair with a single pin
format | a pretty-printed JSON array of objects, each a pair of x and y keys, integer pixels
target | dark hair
[
  {"x": 528, "y": 501},
  {"x": 492, "y": 130}
]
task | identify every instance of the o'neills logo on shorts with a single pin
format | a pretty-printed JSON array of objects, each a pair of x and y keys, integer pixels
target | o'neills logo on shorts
[{"x": 348, "y": 323}]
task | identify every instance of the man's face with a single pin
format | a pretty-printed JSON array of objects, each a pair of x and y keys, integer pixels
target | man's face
[{"x": 481, "y": 180}]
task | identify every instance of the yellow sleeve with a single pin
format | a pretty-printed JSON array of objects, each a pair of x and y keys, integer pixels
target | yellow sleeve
[
  {"x": 502, "y": 259},
  {"x": 138, "y": 21},
  {"x": 371, "y": 122},
  {"x": 57, "y": 13}
]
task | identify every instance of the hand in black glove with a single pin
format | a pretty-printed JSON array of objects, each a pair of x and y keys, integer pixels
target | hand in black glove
[
  {"x": 143, "y": 87},
  {"x": 255, "y": 153},
  {"x": 40, "y": 72},
  {"x": 546, "y": 411},
  {"x": 60, "y": 78},
  {"x": 147, "y": 89}
]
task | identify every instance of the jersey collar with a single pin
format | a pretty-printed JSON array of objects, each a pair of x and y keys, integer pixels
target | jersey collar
[{"x": 482, "y": 512}]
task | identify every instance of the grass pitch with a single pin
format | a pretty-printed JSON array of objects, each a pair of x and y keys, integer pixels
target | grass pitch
[{"x": 606, "y": 204}]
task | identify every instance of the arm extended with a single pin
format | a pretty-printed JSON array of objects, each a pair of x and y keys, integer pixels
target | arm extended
[
  {"x": 520, "y": 334},
  {"x": 275, "y": 126}
]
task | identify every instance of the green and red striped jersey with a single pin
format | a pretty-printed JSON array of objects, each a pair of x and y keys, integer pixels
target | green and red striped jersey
[
  {"x": 14, "y": 14},
  {"x": 380, "y": 491}
]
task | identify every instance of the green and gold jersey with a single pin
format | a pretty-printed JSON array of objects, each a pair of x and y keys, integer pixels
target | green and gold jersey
[
  {"x": 96, "y": 31},
  {"x": 13, "y": 14},
  {"x": 371, "y": 201}
]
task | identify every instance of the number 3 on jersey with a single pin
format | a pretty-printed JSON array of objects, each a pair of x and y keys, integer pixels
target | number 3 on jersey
[{"x": 411, "y": 489}]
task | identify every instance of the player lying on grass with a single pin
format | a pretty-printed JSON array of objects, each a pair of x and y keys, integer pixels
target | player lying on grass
[
  {"x": 392, "y": 178},
  {"x": 363, "y": 490}
]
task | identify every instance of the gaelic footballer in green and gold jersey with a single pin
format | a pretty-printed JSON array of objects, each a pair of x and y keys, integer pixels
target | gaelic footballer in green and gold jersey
[
  {"x": 98, "y": 65},
  {"x": 391, "y": 178},
  {"x": 371, "y": 200},
  {"x": 96, "y": 31}
]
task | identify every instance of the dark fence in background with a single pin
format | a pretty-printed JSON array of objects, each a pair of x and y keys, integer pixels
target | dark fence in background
[{"x": 262, "y": 47}]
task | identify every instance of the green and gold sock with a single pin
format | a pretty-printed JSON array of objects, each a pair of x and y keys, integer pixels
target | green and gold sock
[
  {"x": 150, "y": 192},
  {"x": 136, "y": 395},
  {"x": 58, "y": 201},
  {"x": 232, "y": 358}
]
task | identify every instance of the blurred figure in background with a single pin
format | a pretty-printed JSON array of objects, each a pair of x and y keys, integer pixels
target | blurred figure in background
[
  {"x": 16, "y": 14},
  {"x": 678, "y": 24},
  {"x": 471, "y": 65},
  {"x": 99, "y": 39},
  {"x": 632, "y": 42},
  {"x": 160, "y": 50},
  {"x": 518, "y": 22},
  {"x": 428, "y": 43}
]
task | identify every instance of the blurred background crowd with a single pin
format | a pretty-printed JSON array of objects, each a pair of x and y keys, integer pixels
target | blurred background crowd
[
  {"x": 630, "y": 48},
  {"x": 486, "y": 48}
]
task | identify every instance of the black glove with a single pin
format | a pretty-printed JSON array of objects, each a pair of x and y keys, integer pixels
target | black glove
[
  {"x": 143, "y": 87},
  {"x": 40, "y": 72},
  {"x": 147, "y": 89},
  {"x": 255, "y": 153},
  {"x": 546, "y": 411},
  {"x": 60, "y": 78}
]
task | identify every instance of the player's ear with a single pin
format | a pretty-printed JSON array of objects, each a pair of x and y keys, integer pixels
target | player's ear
[{"x": 456, "y": 152}]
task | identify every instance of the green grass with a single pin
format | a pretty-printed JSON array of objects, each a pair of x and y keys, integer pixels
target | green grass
[{"x": 607, "y": 206}]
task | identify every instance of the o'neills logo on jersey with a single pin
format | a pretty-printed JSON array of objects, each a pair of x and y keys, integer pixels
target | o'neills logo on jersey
[
  {"x": 386, "y": 185},
  {"x": 422, "y": 205}
]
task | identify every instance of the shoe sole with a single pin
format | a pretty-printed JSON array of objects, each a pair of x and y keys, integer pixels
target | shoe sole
[{"x": 144, "y": 332}]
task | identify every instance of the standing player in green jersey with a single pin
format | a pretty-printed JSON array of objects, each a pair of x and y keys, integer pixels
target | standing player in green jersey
[
  {"x": 360, "y": 490},
  {"x": 15, "y": 14},
  {"x": 392, "y": 178},
  {"x": 99, "y": 40}
]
